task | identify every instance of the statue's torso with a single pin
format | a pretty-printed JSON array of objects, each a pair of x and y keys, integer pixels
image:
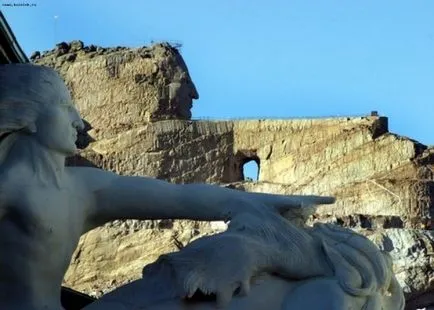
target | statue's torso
[{"x": 39, "y": 231}]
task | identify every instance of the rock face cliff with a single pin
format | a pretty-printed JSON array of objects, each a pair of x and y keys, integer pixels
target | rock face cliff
[
  {"x": 137, "y": 105},
  {"x": 117, "y": 89}
]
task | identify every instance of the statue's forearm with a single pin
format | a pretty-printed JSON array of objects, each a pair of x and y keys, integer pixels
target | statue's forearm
[
  {"x": 212, "y": 202},
  {"x": 147, "y": 198}
]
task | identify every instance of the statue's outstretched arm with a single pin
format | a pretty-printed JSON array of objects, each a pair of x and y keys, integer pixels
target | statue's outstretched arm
[{"x": 124, "y": 197}]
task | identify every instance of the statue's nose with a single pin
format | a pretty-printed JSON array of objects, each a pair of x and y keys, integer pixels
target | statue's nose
[
  {"x": 78, "y": 124},
  {"x": 193, "y": 93}
]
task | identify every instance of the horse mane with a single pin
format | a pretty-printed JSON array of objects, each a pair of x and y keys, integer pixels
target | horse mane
[{"x": 361, "y": 268}]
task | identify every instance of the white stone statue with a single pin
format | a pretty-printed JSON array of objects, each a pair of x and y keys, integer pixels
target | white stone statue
[
  {"x": 45, "y": 207},
  {"x": 312, "y": 268}
]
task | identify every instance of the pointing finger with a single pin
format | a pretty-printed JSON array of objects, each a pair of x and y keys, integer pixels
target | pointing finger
[{"x": 299, "y": 201}]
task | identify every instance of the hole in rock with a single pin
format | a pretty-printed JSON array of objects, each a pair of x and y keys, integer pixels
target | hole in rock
[{"x": 251, "y": 170}]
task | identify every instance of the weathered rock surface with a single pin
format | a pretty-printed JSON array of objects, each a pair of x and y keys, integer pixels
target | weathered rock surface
[
  {"x": 110, "y": 256},
  {"x": 117, "y": 89},
  {"x": 377, "y": 175},
  {"x": 413, "y": 256}
]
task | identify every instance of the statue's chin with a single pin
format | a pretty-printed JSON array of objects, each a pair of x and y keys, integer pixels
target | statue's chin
[
  {"x": 67, "y": 152},
  {"x": 73, "y": 153}
]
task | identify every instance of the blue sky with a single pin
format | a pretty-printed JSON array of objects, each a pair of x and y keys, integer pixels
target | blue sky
[{"x": 269, "y": 58}]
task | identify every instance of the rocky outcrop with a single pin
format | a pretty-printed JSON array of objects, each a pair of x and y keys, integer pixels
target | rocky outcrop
[
  {"x": 115, "y": 254},
  {"x": 372, "y": 172},
  {"x": 117, "y": 89},
  {"x": 137, "y": 106},
  {"x": 413, "y": 256}
]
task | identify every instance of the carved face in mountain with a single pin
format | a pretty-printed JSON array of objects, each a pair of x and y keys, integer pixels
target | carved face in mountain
[{"x": 181, "y": 90}]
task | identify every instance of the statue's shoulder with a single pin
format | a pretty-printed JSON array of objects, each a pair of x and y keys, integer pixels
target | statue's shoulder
[{"x": 89, "y": 178}]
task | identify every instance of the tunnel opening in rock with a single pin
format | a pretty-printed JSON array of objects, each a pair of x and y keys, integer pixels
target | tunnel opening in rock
[
  {"x": 246, "y": 165},
  {"x": 250, "y": 170}
]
